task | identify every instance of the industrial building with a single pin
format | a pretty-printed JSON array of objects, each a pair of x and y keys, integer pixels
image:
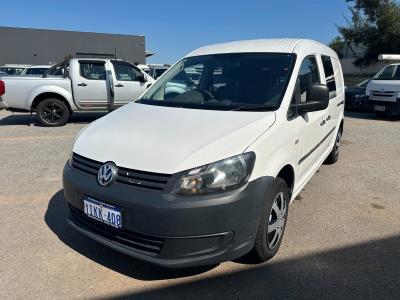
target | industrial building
[{"x": 42, "y": 46}]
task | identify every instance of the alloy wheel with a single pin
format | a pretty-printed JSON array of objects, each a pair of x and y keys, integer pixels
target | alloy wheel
[
  {"x": 53, "y": 112},
  {"x": 276, "y": 222}
]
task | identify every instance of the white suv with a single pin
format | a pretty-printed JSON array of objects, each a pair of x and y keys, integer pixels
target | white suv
[{"x": 207, "y": 174}]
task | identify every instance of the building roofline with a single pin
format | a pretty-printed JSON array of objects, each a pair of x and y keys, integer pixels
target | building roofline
[{"x": 70, "y": 31}]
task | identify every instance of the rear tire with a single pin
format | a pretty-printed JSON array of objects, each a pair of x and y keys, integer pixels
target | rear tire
[
  {"x": 334, "y": 155},
  {"x": 52, "y": 112},
  {"x": 272, "y": 223}
]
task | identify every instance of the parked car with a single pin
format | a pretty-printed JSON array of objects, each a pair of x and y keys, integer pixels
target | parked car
[
  {"x": 384, "y": 90},
  {"x": 38, "y": 70},
  {"x": 207, "y": 175},
  {"x": 144, "y": 68},
  {"x": 356, "y": 98},
  {"x": 73, "y": 86},
  {"x": 156, "y": 70},
  {"x": 13, "y": 69}
]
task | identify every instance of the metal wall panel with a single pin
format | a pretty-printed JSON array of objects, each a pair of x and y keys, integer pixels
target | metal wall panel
[{"x": 41, "y": 46}]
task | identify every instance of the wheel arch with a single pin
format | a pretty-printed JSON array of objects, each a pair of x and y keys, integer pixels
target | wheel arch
[
  {"x": 287, "y": 173},
  {"x": 47, "y": 95},
  {"x": 49, "y": 91}
]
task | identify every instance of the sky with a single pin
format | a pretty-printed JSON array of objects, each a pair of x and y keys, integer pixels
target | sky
[{"x": 174, "y": 28}]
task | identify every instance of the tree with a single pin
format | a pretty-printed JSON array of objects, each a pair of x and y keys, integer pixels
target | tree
[
  {"x": 337, "y": 44},
  {"x": 375, "y": 26}
]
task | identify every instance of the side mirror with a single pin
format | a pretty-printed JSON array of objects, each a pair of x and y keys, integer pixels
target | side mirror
[
  {"x": 317, "y": 99},
  {"x": 142, "y": 78}
]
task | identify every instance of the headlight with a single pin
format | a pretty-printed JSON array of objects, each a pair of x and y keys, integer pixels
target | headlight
[
  {"x": 220, "y": 176},
  {"x": 357, "y": 96},
  {"x": 398, "y": 95},
  {"x": 367, "y": 92}
]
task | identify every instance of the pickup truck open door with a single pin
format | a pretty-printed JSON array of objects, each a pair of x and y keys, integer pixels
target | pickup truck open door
[
  {"x": 90, "y": 86},
  {"x": 129, "y": 82}
]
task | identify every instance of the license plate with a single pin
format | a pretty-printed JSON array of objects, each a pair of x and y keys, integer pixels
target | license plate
[
  {"x": 379, "y": 107},
  {"x": 103, "y": 212}
]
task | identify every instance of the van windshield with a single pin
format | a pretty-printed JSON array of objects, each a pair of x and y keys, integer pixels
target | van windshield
[
  {"x": 391, "y": 72},
  {"x": 239, "y": 81}
]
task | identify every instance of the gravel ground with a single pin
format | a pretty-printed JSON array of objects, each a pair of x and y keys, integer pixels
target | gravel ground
[{"x": 342, "y": 237}]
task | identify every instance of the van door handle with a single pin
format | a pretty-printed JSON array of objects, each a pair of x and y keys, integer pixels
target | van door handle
[
  {"x": 323, "y": 122},
  {"x": 82, "y": 84},
  {"x": 328, "y": 118},
  {"x": 119, "y": 85}
]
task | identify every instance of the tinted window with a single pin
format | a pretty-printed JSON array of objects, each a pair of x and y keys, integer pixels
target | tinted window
[
  {"x": 159, "y": 72},
  {"x": 224, "y": 81},
  {"x": 329, "y": 76},
  {"x": 11, "y": 70},
  {"x": 92, "y": 71},
  {"x": 124, "y": 72},
  {"x": 328, "y": 68},
  {"x": 35, "y": 71},
  {"x": 308, "y": 75}
]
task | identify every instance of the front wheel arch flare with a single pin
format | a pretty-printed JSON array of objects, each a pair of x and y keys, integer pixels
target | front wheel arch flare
[{"x": 44, "y": 96}]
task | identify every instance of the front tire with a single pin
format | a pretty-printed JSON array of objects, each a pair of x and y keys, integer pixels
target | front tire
[
  {"x": 52, "y": 112},
  {"x": 272, "y": 223}
]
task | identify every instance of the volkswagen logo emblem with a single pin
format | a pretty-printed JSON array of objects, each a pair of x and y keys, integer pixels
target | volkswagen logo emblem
[{"x": 107, "y": 174}]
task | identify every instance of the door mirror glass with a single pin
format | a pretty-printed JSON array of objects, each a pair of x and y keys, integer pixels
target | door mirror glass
[
  {"x": 317, "y": 99},
  {"x": 142, "y": 78}
]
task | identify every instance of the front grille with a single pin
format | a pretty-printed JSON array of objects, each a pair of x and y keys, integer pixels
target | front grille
[
  {"x": 383, "y": 94},
  {"x": 142, "y": 179},
  {"x": 85, "y": 164},
  {"x": 143, "y": 243}
]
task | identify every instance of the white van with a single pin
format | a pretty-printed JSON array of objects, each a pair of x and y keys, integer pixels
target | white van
[
  {"x": 207, "y": 175},
  {"x": 383, "y": 90}
]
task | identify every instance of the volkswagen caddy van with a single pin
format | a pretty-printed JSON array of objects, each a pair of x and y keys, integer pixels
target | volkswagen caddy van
[{"x": 198, "y": 172}]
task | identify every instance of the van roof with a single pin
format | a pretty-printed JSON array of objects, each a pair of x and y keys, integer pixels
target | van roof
[{"x": 296, "y": 46}]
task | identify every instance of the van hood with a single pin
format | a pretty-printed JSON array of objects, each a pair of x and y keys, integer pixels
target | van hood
[
  {"x": 169, "y": 139},
  {"x": 384, "y": 85}
]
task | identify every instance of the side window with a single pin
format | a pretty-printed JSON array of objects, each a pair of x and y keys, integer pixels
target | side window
[
  {"x": 308, "y": 75},
  {"x": 125, "y": 72},
  {"x": 92, "y": 71},
  {"x": 329, "y": 75}
]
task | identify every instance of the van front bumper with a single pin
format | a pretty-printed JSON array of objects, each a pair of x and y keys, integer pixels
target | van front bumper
[
  {"x": 391, "y": 108},
  {"x": 166, "y": 230}
]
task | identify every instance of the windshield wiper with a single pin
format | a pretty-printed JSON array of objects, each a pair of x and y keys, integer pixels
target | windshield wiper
[{"x": 252, "y": 107}]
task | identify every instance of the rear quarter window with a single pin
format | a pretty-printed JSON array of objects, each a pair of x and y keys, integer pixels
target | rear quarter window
[
  {"x": 338, "y": 76},
  {"x": 330, "y": 77}
]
